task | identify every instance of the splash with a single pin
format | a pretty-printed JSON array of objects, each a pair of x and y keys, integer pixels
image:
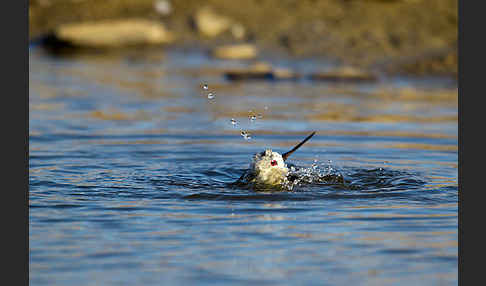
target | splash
[
  {"x": 298, "y": 178},
  {"x": 252, "y": 117},
  {"x": 210, "y": 95},
  {"x": 313, "y": 175}
]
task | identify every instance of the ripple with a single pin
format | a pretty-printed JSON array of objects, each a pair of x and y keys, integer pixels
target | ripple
[{"x": 132, "y": 177}]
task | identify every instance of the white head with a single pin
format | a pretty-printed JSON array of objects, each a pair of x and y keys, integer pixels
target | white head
[{"x": 269, "y": 167}]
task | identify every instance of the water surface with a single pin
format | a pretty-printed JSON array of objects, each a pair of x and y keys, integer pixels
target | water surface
[{"x": 131, "y": 165}]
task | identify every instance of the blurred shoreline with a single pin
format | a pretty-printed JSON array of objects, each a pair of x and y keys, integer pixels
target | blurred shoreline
[{"x": 409, "y": 37}]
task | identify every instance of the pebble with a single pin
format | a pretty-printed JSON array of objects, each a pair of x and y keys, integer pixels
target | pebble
[
  {"x": 211, "y": 24},
  {"x": 344, "y": 74},
  {"x": 163, "y": 7},
  {"x": 235, "y": 52}
]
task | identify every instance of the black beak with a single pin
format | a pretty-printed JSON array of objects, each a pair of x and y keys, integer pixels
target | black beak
[{"x": 287, "y": 154}]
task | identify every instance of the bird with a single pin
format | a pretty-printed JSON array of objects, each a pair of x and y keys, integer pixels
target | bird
[{"x": 268, "y": 168}]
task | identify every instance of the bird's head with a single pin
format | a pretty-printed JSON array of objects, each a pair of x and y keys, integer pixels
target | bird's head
[{"x": 269, "y": 167}]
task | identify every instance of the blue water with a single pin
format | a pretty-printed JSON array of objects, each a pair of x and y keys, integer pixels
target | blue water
[{"x": 131, "y": 169}]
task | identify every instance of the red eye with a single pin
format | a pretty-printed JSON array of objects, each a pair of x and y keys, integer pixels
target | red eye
[{"x": 274, "y": 163}]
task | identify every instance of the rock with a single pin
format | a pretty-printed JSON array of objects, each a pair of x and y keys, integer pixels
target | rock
[
  {"x": 345, "y": 74},
  {"x": 163, "y": 7},
  {"x": 283, "y": 73},
  {"x": 238, "y": 31},
  {"x": 113, "y": 33},
  {"x": 235, "y": 52},
  {"x": 261, "y": 71},
  {"x": 211, "y": 24}
]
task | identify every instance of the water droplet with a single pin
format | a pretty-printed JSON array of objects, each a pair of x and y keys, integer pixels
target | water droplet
[
  {"x": 252, "y": 118},
  {"x": 266, "y": 107},
  {"x": 211, "y": 95},
  {"x": 233, "y": 121},
  {"x": 245, "y": 135},
  {"x": 205, "y": 87},
  {"x": 260, "y": 116}
]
